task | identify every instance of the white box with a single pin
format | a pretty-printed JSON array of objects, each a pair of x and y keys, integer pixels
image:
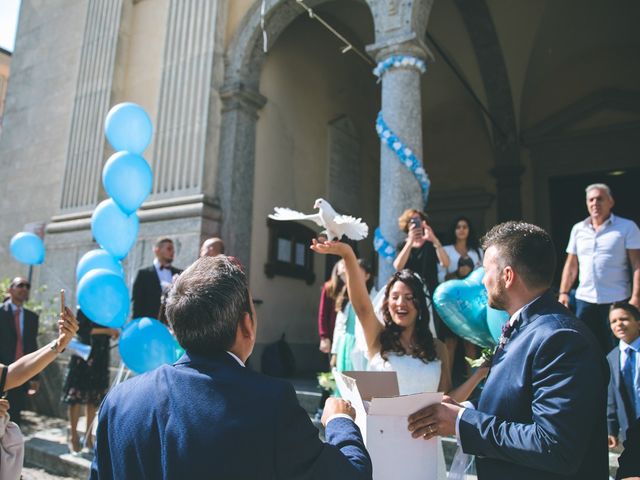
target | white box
[{"x": 381, "y": 414}]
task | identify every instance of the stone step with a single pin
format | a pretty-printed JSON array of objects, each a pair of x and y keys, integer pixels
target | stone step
[{"x": 46, "y": 447}]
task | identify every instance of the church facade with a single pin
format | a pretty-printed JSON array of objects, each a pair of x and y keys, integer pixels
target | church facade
[{"x": 257, "y": 104}]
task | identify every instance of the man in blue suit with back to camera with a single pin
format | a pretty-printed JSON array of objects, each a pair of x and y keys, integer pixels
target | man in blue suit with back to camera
[
  {"x": 208, "y": 416},
  {"x": 542, "y": 412}
]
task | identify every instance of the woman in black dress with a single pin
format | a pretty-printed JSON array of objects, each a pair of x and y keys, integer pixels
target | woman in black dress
[
  {"x": 87, "y": 382},
  {"x": 422, "y": 252}
]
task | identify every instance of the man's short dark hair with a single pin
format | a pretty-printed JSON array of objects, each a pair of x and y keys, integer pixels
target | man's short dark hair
[
  {"x": 527, "y": 248},
  {"x": 206, "y": 303},
  {"x": 162, "y": 240}
]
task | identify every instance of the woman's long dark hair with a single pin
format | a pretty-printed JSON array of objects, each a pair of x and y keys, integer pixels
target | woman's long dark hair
[
  {"x": 423, "y": 344},
  {"x": 472, "y": 240}
]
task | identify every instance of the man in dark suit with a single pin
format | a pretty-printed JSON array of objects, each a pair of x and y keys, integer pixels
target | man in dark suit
[
  {"x": 151, "y": 282},
  {"x": 208, "y": 416},
  {"x": 623, "y": 405},
  {"x": 542, "y": 412},
  {"x": 629, "y": 460},
  {"x": 18, "y": 337}
]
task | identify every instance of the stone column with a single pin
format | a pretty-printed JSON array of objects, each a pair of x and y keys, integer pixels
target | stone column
[
  {"x": 400, "y": 30},
  {"x": 85, "y": 152},
  {"x": 236, "y": 167},
  {"x": 508, "y": 181},
  {"x": 185, "y": 95}
]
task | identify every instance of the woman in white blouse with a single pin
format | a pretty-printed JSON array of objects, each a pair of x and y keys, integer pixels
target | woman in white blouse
[{"x": 465, "y": 255}]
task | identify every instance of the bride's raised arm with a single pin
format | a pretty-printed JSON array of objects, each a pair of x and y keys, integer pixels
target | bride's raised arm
[{"x": 357, "y": 287}]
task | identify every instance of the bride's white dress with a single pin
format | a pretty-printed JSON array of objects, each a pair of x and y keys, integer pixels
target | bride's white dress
[{"x": 414, "y": 376}]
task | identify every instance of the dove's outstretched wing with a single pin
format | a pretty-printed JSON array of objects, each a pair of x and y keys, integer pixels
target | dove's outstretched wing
[
  {"x": 284, "y": 214},
  {"x": 354, "y": 228}
]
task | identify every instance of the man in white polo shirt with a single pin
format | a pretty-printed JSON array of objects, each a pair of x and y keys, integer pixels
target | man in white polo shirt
[{"x": 604, "y": 250}]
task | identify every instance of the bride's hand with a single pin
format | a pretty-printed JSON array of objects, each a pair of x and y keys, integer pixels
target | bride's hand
[{"x": 331, "y": 247}]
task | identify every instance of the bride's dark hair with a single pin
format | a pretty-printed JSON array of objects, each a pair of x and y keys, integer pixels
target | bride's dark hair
[{"x": 423, "y": 346}]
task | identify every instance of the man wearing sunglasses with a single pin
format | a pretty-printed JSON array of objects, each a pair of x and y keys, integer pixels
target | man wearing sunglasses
[{"x": 18, "y": 337}]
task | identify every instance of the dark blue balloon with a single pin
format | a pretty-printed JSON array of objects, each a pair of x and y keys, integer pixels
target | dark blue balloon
[
  {"x": 462, "y": 305},
  {"x": 114, "y": 230},
  {"x": 27, "y": 248},
  {"x": 127, "y": 178},
  {"x": 128, "y": 127},
  {"x": 146, "y": 344},
  {"x": 98, "y": 258},
  {"x": 104, "y": 298}
]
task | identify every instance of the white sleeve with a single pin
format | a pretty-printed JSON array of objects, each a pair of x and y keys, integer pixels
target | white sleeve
[
  {"x": 632, "y": 239},
  {"x": 571, "y": 247}
]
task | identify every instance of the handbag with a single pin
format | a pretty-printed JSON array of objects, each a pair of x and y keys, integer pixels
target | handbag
[{"x": 11, "y": 442}]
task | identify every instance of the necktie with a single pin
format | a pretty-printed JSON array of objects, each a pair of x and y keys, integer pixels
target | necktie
[
  {"x": 628, "y": 374},
  {"x": 16, "y": 320}
]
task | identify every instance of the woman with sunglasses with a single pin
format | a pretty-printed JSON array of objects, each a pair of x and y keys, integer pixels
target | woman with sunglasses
[{"x": 403, "y": 342}]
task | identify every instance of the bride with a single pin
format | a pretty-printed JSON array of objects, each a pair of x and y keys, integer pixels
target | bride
[{"x": 404, "y": 343}]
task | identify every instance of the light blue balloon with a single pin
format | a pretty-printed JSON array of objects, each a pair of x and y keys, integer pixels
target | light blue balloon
[
  {"x": 27, "y": 248},
  {"x": 462, "y": 305},
  {"x": 127, "y": 178},
  {"x": 98, "y": 258},
  {"x": 104, "y": 298},
  {"x": 128, "y": 127},
  {"x": 114, "y": 230},
  {"x": 146, "y": 344},
  {"x": 495, "y": 320}
]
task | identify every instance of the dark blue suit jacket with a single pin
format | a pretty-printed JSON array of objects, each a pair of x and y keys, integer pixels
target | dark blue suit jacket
[
  {"x": 619, "y": 407},
  {"x": 542, "y": 413},
  {"x": 208, "y": 417}
]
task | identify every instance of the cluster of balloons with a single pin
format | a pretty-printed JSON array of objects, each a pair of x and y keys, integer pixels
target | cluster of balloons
[
  {"x": 103, "y": 295},
  {"x": 462, "y": 304}
]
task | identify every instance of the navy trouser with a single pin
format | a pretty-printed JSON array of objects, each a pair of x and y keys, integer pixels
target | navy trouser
[{"x": 596, "y": 316}]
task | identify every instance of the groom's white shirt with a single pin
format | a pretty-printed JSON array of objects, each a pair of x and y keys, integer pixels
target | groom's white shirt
[{"x": 468, "y": 404}]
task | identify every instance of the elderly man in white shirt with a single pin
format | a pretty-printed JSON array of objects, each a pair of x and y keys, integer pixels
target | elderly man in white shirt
[{"x": 600, "y": 251}]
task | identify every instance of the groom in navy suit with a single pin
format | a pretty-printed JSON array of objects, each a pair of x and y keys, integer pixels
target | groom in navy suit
[
  {"x": 542, "y": 412},
  {"x": 208, "y": 416}
]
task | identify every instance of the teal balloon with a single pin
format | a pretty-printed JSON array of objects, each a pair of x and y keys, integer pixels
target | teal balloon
[
  {"x": 113, "y": 229},
  {"x": 104, "y": 297},
  {"x": 98, "y": 258},
  {"x": 145, "y": 344},
  {"x": 462, "y": 305},
  {"x": 495, "y": 320},
  {"x": 27, "y": 248},
  {"x": 127, "y": 178},
  {"x": 128, "y": 127}
]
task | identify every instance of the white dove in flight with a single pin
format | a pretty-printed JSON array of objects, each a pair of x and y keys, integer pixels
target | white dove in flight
[{"x": 335, "y": 224}]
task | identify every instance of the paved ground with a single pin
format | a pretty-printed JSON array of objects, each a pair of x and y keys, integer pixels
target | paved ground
[{"x": 38, "y": 474}]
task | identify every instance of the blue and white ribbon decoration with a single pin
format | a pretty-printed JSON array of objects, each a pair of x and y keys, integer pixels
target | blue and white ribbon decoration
[
  {"x": 384, "y": 248},
  {"x": 404, "y": 154},
  {"x": 399, "y": 61}
]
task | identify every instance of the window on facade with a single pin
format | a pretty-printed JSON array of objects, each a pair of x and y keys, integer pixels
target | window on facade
[{"x": 289, "y": 253}]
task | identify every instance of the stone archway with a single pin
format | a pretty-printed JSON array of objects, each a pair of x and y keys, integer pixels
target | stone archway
[
  {"x": 508, "y": 170},
  {"x": 242, "y": 101}
]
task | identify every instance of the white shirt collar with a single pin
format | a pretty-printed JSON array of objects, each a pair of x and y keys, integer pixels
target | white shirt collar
[
  {"x": 608, "y": 221},
  {"x": 635, "y": 344},
  {"x": 14, "y": 307},
  {"x": 516, "y": 314},
  {"x": 236, "y": 358}
]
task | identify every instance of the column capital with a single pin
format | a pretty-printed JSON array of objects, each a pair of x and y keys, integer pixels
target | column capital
[
  {"x": 236, "y": 95},
  {"x": 400, "y": 28}
]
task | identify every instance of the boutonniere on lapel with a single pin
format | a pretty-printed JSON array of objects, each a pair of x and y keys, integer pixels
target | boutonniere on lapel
[{"x": 487, "y": 354}]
